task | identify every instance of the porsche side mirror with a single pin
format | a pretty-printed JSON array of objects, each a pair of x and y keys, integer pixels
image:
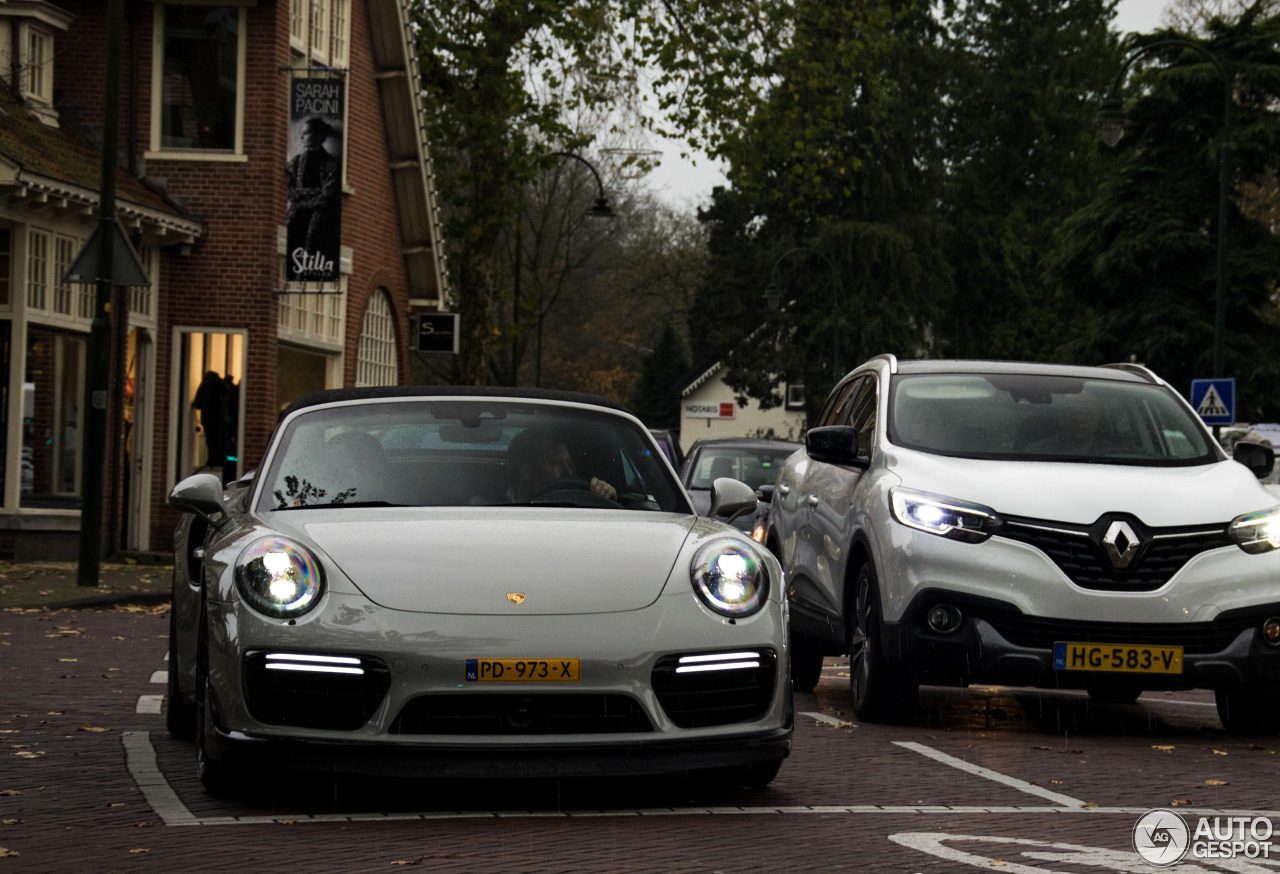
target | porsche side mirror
[
  {"x": 201, "y": 494},
  {"x": 731, "y": 498},
  {"x": 1258, "y": 458}
]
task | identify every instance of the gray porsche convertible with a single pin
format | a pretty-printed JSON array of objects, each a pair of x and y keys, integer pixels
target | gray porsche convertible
[{"x": 472, "y": 582}]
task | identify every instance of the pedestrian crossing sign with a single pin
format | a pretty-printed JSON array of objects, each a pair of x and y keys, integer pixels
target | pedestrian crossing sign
[{"x": 1214, "y": 400}]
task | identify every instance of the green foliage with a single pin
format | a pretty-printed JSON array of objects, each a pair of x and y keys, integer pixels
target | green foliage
[
  {"x": 1026, "y": 77},
  {"x": 836, "y": 190},
  {"x": 1141, "y": 258},
  {"x": 656, "y": 401}
]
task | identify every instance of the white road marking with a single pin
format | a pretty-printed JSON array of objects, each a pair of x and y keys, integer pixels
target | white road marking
[
  {"x": 141, "y": 760},
  {"x": 978, "y": 770},
  {"x": 1182, "y": 703},
  {"x": 149, "y": 703},
  {"x": 160, "y": 677}
]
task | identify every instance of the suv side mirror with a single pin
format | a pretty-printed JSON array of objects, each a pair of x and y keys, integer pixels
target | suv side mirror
[
  {"x": 731, "y": 499},
  {"x": 1258, "y": 458},
  {"x": 834, "y": 444}
]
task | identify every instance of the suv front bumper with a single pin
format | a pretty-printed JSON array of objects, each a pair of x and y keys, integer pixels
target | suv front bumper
[{"x": 997, "y": 643}]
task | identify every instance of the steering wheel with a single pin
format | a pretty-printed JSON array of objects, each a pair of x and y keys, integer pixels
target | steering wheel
[{"x": 573, "y": 489}]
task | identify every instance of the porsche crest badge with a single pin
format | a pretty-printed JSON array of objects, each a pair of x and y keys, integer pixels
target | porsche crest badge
[{"x": 516, "y": 598}]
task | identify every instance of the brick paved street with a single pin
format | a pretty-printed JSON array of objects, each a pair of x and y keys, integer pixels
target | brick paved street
[{"x": 1005, "y": 779}]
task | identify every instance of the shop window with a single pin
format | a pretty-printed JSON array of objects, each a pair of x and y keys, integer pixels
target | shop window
[
  {"x": 376, "y": 362},
  {"x": 210, "y": 375},
  {"x": 53, "y": 392},
  {"x": 199, "y": 88}
]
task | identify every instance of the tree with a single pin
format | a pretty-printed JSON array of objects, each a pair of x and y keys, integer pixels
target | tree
[
  {"x": 655, "y": 400},
  {"x": 504, "y": 80},
  {"x": 836, "y": 172},
  {"x": 1024, "y": 82},
  {"x": 1142, "y": 255}
]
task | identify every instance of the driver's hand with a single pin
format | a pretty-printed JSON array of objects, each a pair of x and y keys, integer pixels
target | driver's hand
[{"x": 603, "y": 489}]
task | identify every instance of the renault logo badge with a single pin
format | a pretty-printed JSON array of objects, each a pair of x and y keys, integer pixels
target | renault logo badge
[
  {"x": 516, "y": 598},
  {"x": 1120, "y": 544}
]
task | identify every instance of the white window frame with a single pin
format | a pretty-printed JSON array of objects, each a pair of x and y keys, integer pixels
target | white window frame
[
  {"x": 36, "y": 45},
  {"x": 377, "y": 360},
  {"x": 157, "y": 150}
]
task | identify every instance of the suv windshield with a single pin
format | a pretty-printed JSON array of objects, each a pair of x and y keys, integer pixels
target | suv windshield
[
  {"x": 465, "y": 453},
  {"x": 1045, "y": 418}
]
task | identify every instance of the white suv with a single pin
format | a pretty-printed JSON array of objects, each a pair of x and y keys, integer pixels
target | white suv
[{"x": 952, "y": 522}]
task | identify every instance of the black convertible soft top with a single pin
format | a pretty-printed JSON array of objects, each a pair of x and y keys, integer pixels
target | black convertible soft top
[{"x": 334, "y": 395}]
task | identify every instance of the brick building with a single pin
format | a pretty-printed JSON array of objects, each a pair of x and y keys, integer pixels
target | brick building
[{"x": 226, "y": 332}]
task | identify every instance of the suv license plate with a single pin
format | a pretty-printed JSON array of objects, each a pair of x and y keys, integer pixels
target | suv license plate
[
  {"x": 1117, "y": 657},
  {"x": 523, "y": 670}
]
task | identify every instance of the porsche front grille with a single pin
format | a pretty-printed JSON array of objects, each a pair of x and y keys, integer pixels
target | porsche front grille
[
  {"x": 704, "y": 689},
  {"x": 314, "y": 690},
  {"x": 521, "y": 714}
]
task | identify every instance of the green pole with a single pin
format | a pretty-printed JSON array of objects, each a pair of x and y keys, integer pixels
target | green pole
[{"x": 93, "y": 460}]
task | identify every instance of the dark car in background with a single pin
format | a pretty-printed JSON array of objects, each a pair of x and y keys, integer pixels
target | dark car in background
[{"x": 754, "y": 461}]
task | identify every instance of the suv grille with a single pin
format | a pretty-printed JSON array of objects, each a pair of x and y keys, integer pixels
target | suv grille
[
  {"x": 733, "y": 689},
  {"x": 516, "y": 713},
  {"x": 1078, "y": 551},
  {"x": 314, "y": 691}
]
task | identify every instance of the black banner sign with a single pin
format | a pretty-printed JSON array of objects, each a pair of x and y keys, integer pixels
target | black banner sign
[
  {"x": 438, "y": 332},
  {"x": 315, "y": 180}
]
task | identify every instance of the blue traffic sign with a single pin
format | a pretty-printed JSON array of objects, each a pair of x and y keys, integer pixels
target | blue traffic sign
[{"x": 1214, "y": 400}]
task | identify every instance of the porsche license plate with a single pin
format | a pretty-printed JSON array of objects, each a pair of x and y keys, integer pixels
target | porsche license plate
[
  {"x": 1117, "y": 657},
  {"x": 555, "y": 670}
]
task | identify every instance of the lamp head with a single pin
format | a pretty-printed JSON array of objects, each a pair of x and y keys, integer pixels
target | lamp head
[
  {"x": 601, "y": 210},
  {"x": 773, "y": 295},
  {"x": 1111, "y": 121}
]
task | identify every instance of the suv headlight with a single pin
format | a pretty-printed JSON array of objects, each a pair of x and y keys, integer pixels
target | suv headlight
[
  {"x": 946, "y": 517},
  {"x": 1256, "y": 532},
  {"x": 279, "y": 577},
  {"x": 730, "y": 578}
]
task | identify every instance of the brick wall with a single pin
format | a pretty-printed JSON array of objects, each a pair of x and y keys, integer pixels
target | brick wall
[{"x": 226, "y": 281}]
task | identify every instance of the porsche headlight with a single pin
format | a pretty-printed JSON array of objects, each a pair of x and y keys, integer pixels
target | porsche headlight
[
  {"x": 279, "y": 577},
  {"x": 730, "y": 578},
  {"x": 1256, "y": 532},
  {"x": 957, "y": 520}
]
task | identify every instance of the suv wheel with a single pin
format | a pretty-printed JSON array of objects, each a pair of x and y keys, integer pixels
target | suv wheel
[
  {"x": 1245, "y": 713},
  {"x": 882, "y": 692}
]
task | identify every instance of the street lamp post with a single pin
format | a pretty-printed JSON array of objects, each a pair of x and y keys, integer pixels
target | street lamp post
[
  {"x": 1111, "y": 121},
  {"x": 600, "y": 210},
  {"x": 773, "y": 296}
]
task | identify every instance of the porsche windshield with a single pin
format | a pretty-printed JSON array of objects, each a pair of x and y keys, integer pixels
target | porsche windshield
[
  {"x": 1045, "y": 418},
  {"x": 466, "y": 453}
]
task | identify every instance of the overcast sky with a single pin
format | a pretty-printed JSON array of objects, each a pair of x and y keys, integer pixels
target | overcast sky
[{"x": 686, "y": 182}]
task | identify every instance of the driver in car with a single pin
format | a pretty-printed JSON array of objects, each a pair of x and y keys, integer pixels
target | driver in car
[{"x": 540, "y": 459}]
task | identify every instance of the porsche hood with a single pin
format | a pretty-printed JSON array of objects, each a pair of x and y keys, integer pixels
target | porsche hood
[{"x": 508, "y": 562}]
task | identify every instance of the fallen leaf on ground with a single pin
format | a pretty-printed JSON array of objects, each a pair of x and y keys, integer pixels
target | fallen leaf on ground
[
  {"x": 88, "y": 727},
  {"x": 1215, "y": 782},
  {"x": 1219, "y": 752},
  {"x": 1040, "y": 748},
  {"x": 1089, "y": 805},
  {"x": 11, "y": 821},
  {"x": 68, "y": 660},
  {"x": 4, "y": 851},
  {"x": 1180, "y": 802},
  {"x": 1162, "y": 748},
  {"x": 140, "y": 850},
  {"x": 9, "y": 792},
  {"x": 25, "y": 754}
]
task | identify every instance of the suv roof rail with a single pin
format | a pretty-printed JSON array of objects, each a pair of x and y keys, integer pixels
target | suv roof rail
[
  {"x": 1136, "y": 369},
  {"x": 889, "y": 358}
]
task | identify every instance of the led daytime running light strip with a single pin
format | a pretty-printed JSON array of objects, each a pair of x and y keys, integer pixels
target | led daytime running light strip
[
  {"x": 728, "y": 661},
  {"x": 317, "y": 664}
]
